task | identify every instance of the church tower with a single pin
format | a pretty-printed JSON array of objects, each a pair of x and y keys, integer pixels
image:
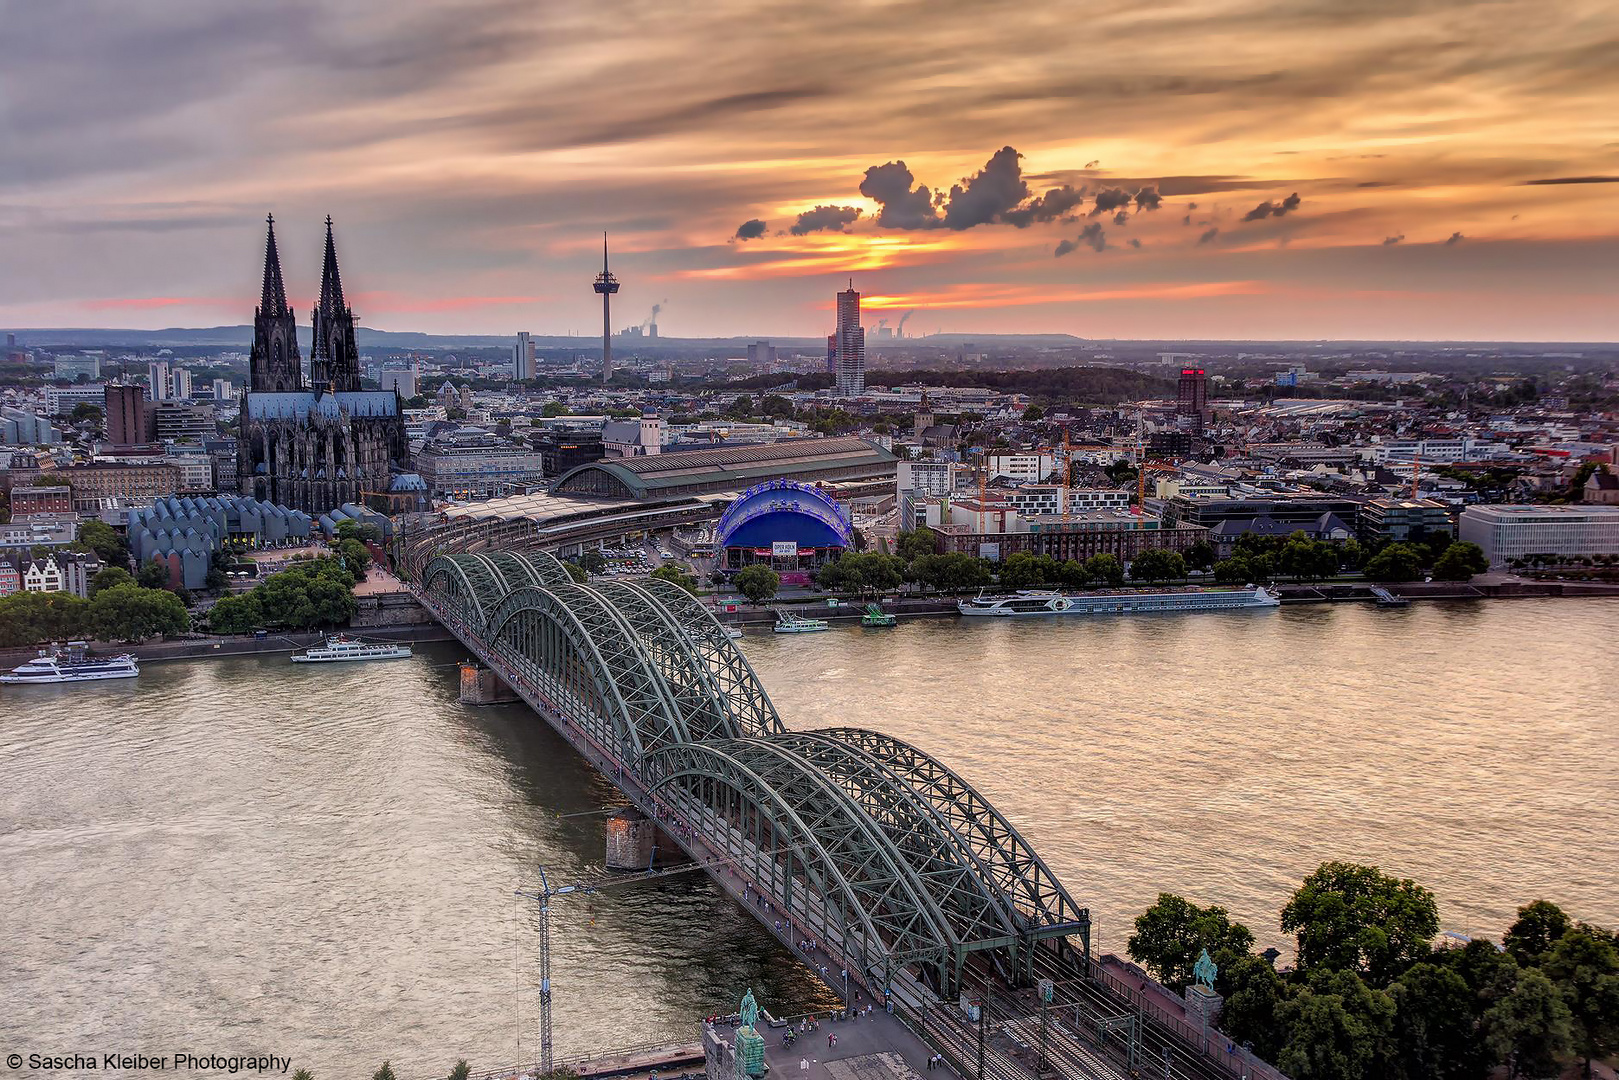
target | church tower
[
  {"x": 334, "y": 358},
  {"x": 273, "y": 365}
]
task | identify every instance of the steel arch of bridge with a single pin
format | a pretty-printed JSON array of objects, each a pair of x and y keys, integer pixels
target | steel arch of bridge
[{"x": 874, "y": 843}]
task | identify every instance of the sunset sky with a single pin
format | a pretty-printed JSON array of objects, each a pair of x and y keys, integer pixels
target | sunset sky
[{"x": 1455, "y": 164}]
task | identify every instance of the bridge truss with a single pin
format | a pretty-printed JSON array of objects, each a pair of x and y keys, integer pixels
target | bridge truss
[{"x": 870, "y": 842}]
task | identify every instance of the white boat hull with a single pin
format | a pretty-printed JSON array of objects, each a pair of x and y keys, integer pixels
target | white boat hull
[
  {"x": 1120, "y": 604},
  {"x": 396, "y": 654},
  {"x": 23, "y": 680}
]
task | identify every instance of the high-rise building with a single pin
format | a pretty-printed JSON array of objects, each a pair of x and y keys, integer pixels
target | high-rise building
[
  {"x": 1192, "y": 397},
  {"x": 851, "y": 345},
  {"x": 157, "y": 380},
  {"x": 180, "y": 383},
  {"x": 127, "y": 416},
  {"x": 762, "y": 354},
  {"x": 523, "y": 357},
  {"x": 221, "y": 389}
]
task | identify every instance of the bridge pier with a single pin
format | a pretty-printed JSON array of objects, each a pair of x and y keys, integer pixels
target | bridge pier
[
  {"x": 635, "y": 842},
  {"x": 481, "y": 686}
]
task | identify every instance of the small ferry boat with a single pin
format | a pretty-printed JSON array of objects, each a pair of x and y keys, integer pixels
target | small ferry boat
[
  {"x": 788, "y": 623},
  {"x": 733, "y": 632},
  {"x": 876, "y": 616},
  {"x": 1046, "y": 602},
  {"x": 72, "y": 664},
  {"x": 337, "y": 648}
]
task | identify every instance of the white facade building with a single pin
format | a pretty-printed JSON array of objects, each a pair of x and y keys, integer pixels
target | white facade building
[
  {"x": 1024, "y": 468},
  {"x": 61, "y": 400},
  {"x": 1516, "y": 532},
  {"x": 926, "y": 477}
]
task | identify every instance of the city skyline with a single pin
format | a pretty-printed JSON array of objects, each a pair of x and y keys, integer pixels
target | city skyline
[{"x": 1445, "y": 172}]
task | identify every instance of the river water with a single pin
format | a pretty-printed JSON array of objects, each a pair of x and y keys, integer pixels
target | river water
[{"x": 242, "y": 855}]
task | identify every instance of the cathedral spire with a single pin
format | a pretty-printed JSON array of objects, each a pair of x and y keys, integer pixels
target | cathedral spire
[
  {"x": 331, "y": 285},
  {"x": 273, "y": 302}
]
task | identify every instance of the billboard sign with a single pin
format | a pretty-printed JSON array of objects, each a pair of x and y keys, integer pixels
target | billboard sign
[
  {"x": 784, "y": 549},
  {"x": 990, "y": 551}
]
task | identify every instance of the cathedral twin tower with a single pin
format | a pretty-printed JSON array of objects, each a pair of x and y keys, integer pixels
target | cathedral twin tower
[
  {"x": 334, "y": 361},
  {"x": 314, "y": 447}
]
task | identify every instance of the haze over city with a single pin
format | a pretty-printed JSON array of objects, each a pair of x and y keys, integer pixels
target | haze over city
[{"x": 1243, "y": 169}]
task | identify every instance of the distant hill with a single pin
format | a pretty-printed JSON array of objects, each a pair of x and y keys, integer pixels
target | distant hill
[{"x": 241, "y": 337}]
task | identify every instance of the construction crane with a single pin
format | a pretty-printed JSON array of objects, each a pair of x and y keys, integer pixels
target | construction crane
[
  {"x": 1143, "y": 467},
  {"x": 544, "y": 895},
  {"x": 1416, "y": 474}
]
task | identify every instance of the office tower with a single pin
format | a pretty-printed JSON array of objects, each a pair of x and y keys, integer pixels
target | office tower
[
  {"x": 126, "y": 415},
  {"x": 157, "y": 379},
  {"x": 523, "y": 357},
  {"x": 179, "y": 383},
  {"x": 1192, "y": 397},
  {"x": 851, "y": 345}
]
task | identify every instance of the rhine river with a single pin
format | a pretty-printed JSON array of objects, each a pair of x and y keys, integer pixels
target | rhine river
[{"x": 242, "y": 855}]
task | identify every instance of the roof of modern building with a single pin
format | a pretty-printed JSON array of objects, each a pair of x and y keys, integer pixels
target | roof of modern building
[{"x": 733, "y": 468}]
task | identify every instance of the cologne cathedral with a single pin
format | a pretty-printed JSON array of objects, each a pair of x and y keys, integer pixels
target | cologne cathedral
[{"x": 318, "y": 446}]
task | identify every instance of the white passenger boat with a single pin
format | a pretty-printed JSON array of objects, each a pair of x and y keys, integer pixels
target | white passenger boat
[
  {"x": 1046, "y": 602},
  {"x": 72, "y": 664},
  {"x": 337, "y": 648},
  {"x": 788, "y": 623},
  {"x": 734, "y": 633}
]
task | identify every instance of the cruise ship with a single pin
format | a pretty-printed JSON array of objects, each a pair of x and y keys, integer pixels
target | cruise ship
[
  {"x": 337, "y": 649},
  {"x": 72, "y": 664},
  {"x": 1045, "y": 602}
]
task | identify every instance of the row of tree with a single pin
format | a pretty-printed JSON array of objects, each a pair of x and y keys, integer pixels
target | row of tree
[
  {"x": 117, "y": 611},
  {"x": 1369, "y": 996},
  {"x": 309, "y": 594}
]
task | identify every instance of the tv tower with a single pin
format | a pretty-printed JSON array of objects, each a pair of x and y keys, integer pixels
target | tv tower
[{"x": 606, "y": 285}]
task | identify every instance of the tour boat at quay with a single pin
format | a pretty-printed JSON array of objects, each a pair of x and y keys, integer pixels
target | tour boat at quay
[
  {"x": 788, "y": 623},
  {"x": 72, "y": 664},
  {"x": 1046, "y": 602},
  {"x": 337, "y": 648}
]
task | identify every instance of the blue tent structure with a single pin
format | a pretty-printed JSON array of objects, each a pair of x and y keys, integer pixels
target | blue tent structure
[{"x": 781, "y": 512}]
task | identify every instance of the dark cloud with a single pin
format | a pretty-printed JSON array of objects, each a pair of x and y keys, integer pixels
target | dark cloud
[
  {"x": 1091, "y": 236},
  {"x": 1187, "y": 220},
  {"x": 1208, "y": 237},
  {"x": 1121, "y": 217},
  {"x": 1191, "y": 206},
  {"x": 1271, "y": 209},
  {"x": 825, "y": 219},
  {"x": 1572, "y": 180},
  {"x": 1455, "y": 238},
  {"x": 1148, "y": 198},
  {"x": 1059, "y": 202},
  {"x": 1390, "y": 241},
  {"x": 989, "y": 193},
  {"x": 1134, "y": 242},
  {"x": 903, "y": 207},
  {"x": 750, "y": 229},
  {"x": 1110, "y": 199}
]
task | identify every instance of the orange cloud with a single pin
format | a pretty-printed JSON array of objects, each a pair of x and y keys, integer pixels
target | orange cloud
[
  {"x": 994, "y": 296},
  {"x": 834, "y": 254}
]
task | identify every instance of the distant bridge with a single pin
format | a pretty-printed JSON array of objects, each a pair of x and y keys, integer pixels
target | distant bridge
[{"x": 907, "y": 875}]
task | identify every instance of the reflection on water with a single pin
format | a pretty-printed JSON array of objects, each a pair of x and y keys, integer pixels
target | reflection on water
[
  {"x": 320, "y": 862},
  {"x": 247, "y": 855}
]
